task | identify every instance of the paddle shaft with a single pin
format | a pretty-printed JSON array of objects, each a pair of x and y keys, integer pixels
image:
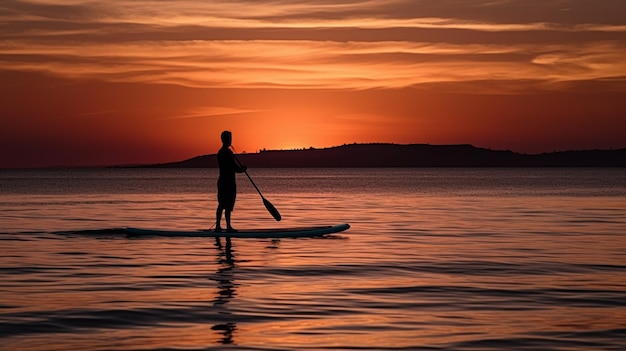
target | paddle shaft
[
  {"x": 268, "y": 205},
  {"x": 251, "y": 181}
]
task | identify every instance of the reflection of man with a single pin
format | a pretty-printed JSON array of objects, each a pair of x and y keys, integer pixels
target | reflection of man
[
  {"x": 224, "y": 278},
  {"x": 224, "y": 275},
  {"x": 226, "y": 185},
  {"x": 227, "y": 330}
]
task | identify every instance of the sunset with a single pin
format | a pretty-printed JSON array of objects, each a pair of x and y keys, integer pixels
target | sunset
[
  {"x": 312, "y": 175},
  {"x": 117, "y": 82}
]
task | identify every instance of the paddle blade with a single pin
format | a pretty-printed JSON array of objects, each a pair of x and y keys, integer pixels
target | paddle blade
[{"x": 272, "y": 210}]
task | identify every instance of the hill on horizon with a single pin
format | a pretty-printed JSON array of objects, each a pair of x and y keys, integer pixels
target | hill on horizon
[{"x": 409, "y": 155}]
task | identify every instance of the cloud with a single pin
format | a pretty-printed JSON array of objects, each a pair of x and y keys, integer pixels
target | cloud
[
  {"x": 315, "y": 64},
  {"x": 215, "y": 111},
  {"x": 34, "y": 18},
  {"x": 281, "y": 43}
]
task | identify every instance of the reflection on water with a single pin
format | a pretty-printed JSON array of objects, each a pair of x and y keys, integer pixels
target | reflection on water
[
  {"x": 456, "y": 259},
  {"x": 226, "y": 286}
]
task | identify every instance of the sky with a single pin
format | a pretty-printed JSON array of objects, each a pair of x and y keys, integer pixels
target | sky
[{"x": 105, "y": 82}]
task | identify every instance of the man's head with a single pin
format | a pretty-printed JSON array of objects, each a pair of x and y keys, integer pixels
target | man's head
[{"x": 227, "y": 138}]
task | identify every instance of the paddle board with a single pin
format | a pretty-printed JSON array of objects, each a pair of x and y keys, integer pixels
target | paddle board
[{"x": 259, "y": 233}]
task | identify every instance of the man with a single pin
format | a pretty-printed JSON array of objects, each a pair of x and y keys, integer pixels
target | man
[{"x": 226, "y": 185}]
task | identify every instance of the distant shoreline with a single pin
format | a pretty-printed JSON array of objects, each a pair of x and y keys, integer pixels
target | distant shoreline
[{"x": 406, "y": 155}]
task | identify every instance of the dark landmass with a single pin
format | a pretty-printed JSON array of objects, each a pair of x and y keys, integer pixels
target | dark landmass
[{"x": 412, "y": 155}]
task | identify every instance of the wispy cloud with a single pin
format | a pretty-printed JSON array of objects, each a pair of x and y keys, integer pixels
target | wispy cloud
[
  {"x": 313, "y": 64},
  {"x": 64, "y": 18},
  {"x": 94, "y": 40},
  {"x": 215, "y": 111}
]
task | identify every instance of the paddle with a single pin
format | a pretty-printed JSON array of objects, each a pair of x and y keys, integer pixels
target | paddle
[{"x": 268, "y": 205}]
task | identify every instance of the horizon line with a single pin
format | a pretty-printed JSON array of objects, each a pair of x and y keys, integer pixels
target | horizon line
[{"x": 263, "y": 150}]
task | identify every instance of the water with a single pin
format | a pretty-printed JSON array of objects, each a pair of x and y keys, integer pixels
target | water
[{"x": 436, "y": 259}]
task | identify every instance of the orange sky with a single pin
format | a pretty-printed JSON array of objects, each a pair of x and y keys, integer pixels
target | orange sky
[{"x": 135, "y": 81}]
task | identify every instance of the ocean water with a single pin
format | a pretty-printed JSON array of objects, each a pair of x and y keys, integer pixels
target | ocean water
[{"x": 436, "y": 259}]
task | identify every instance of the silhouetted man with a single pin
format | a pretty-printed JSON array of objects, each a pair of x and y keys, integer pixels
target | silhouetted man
[{"x": 226, "y": 185}]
